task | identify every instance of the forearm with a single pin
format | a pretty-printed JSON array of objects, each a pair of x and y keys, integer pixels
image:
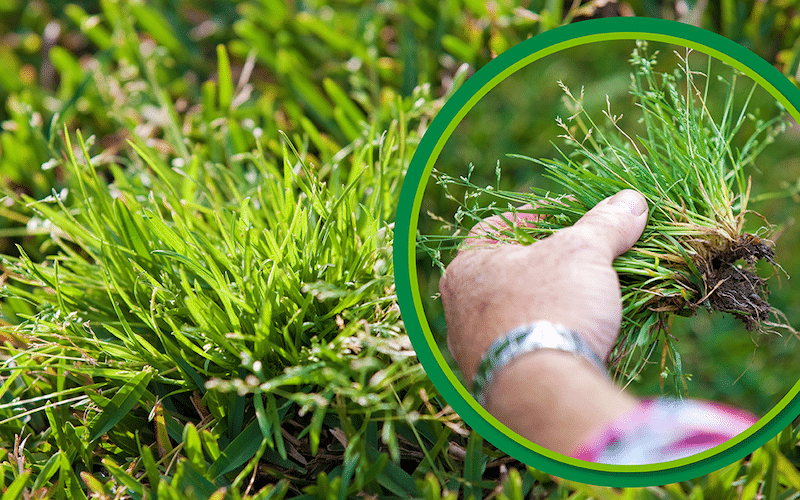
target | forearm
[{"x": 555, "y": 399}]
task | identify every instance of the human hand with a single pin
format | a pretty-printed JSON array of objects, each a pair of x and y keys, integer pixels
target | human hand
[{"x": 565, "y": 278}]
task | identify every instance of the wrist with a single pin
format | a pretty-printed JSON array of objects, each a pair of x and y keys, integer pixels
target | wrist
[
  {"x": 527, "y": 339},
  {"x": 539, "y": 392}
]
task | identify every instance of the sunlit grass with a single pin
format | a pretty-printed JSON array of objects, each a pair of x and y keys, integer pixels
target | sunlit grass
[{"x": 200, "y": 304}]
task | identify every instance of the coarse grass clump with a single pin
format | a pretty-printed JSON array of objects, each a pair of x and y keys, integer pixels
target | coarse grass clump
[{"x": 694, "y": 252}]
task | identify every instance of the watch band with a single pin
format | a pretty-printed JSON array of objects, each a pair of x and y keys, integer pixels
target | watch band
[{"x": 526, "y": 339}]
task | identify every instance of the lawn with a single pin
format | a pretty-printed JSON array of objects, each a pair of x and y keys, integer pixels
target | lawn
[{"x": 196, "y": 233}]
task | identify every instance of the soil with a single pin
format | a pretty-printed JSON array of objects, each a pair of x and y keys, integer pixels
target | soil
[{"x": 734, "y": 287}]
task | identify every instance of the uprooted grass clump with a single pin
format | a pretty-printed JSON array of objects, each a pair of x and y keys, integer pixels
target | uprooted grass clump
[
  {"x": 735, "y": 288},
  {"x": 694, "y": 252}
]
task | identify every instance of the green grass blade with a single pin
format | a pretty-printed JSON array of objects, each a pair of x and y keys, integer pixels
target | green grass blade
[
  {"x": 238, "y": 452},
  {"x": 224, "y": 78},
  {"x": 393, "y": 477},
  {"x": 17, "y": 488},
  {"x": 123, "y": 401}
]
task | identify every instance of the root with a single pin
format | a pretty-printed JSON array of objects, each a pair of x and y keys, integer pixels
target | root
[
  {"x": 735, "y": 288},
  {"x": 731, "y": 285}
]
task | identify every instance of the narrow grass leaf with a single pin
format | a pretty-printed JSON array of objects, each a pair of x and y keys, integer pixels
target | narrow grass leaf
[
  {"x": 315, "y": 428},
  {"x": 135, "y": 238},
  {"x": 474, "y": 465},
  {"x": 150, "y": 466},
  {"x": 236, "y": 411},
  {"x": 351, "y": 459},
  {"x": 272, "y": 408},
  {"x": 56, "y": 425},
  {"x": 263, "y": 422}
]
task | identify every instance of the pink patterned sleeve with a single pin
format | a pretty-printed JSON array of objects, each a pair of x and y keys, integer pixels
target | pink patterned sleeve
[{"x": 663, "y": 429}]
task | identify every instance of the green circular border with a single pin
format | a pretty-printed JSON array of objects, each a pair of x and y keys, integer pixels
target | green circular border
[{"x": 407, "y": 215}]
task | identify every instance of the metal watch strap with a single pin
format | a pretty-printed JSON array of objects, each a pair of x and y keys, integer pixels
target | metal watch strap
[{"x": 526, "y": 339}]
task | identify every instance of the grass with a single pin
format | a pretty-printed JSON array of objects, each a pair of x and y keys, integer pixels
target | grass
[
  {"x": 208, "y": 309},
  {"x": 197, "y": 289}
]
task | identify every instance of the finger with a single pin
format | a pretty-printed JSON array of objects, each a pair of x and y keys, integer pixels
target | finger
[
  {"x": 489, "y": 231},
  {"x": 614, "y": 225}
]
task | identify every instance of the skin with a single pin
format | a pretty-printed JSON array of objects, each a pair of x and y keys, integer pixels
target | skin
[{"x": 553, "y": 398}]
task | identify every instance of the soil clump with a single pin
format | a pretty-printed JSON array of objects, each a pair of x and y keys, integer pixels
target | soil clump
[{"x": 732, "y": 284}]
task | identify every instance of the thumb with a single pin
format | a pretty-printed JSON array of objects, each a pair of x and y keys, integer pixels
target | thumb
[{"x": 613, "y": 225}]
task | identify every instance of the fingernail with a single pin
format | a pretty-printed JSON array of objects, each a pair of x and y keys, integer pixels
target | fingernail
[{"x": 629, "y": 200}]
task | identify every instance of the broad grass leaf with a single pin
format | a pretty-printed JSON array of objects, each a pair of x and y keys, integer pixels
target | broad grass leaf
[
  {"x": 238, "y": 452},
  {"x": 73, "y": 487},
  {"x": 210, "y": 444},
  {"x": 193, "y": 478},
  {"x": 393, "y": 477},
  {"x": 788, "y": 472},
  {"x": 343, "y": 101},
  {"x": 157, "y": 26},
  {"x": 124, "y": 478},
  {"x": 193, "y": 447},
  {"x": 98, "y": 34},
  {"x": 17, "y": 488},
  {"x": 375, "y": 469},
  {"x": 512, "y": 486},
  {"x": 123, "y": 401},
  {"x": 96, "y": 487},
  {"x": 225, "y": 79},
  {"x": 50, "y": 467}
]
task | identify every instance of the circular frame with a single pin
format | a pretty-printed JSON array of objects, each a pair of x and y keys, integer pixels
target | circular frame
[{"x": 409, "y": 299}]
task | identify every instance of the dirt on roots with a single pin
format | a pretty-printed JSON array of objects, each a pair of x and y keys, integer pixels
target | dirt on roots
[{"x": 732, "y": 284}]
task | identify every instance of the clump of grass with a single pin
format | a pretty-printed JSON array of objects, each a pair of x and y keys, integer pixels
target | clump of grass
[{"x": 694, "y": 252}]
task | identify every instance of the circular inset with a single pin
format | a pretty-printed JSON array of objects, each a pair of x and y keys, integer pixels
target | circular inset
[{"x": 408, "y": 292}]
